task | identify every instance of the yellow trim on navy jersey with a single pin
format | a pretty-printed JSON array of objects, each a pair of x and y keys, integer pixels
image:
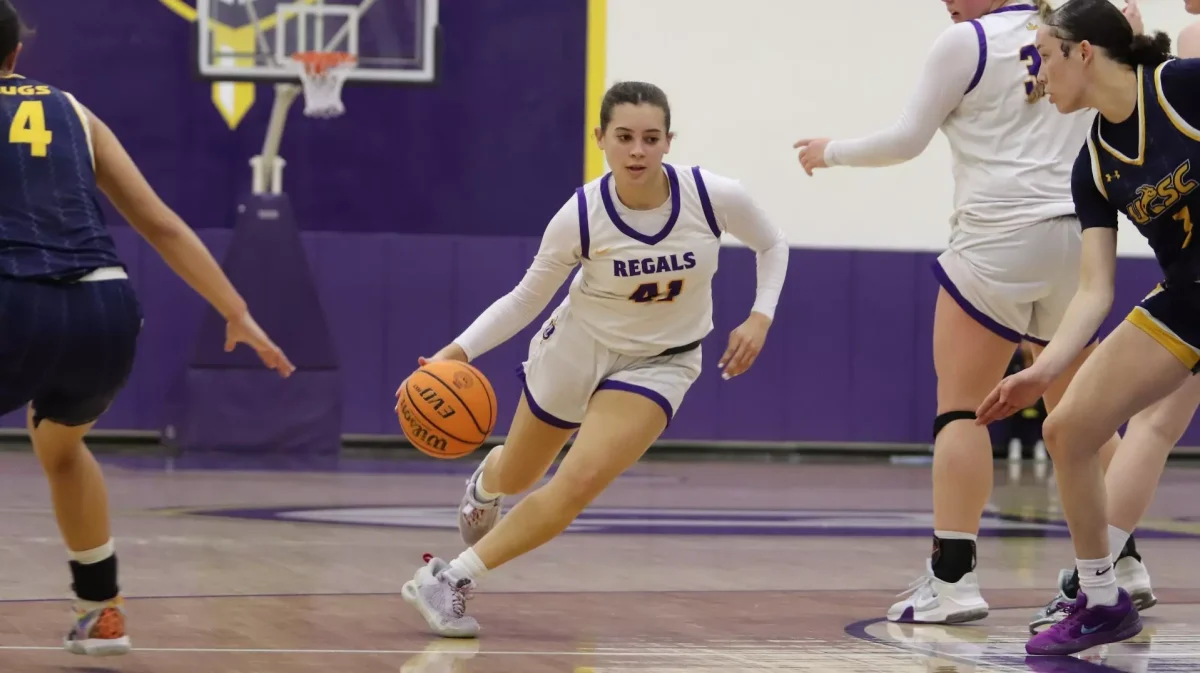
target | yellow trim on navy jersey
[
  {"x": 11, "y": 75},
  {"x": 1096, "y": 171},
  {"x": 1178, "y": 121},
  {"x": 597, "y": 58},
  {"x": 87, "y": 126},
  {"x": 1141, "y": 110},
  {"x": 1185, "y": 352},
  {"x": 181, "y": 8}
]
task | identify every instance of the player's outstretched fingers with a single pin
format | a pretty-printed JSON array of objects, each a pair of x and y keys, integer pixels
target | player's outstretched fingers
[
  {"x": 274, "y": 357},
  {"x": 727, "y": 357},
  {"x": 743, "y": 356}
]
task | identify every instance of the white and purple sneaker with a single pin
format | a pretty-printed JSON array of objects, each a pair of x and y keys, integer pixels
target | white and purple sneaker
[{"x": 932, "y": 601}]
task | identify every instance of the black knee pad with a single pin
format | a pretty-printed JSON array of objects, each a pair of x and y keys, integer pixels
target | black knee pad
[{"x": 949, "y": 417}]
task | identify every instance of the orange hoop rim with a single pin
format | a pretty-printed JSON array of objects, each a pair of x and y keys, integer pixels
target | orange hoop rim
[{"x": 317, "y": 62}]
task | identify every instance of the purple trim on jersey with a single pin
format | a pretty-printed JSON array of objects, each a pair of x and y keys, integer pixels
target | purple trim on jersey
[
  {"x": 585, "y": 238},
  {"x": 630, "y": 231},
  {"x": 705, "y": 203},
  {"x": 979, "y": 317},
  {"x": 979, "y": 67},
  {"x": 538, "y": 412},
  {"x": 1015, "y": 8},
  {"x": 643, "y": 391}
]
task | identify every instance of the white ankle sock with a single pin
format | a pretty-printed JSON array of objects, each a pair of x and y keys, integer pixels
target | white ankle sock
[
  {"x": 482, "y": 494},
  {"x": 954, "y": 535},
  {"x": 1098, "y": 579},
  {"x": 1116, "y": 541},
  {"x": 93, "y": 556},
  {"x": 467, "y": 566}
]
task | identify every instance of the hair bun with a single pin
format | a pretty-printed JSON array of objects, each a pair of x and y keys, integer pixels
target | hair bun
[{"x": 1150, "y": 50}]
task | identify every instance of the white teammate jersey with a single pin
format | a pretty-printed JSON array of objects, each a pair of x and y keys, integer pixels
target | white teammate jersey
[
  {"x": 1012, "y": 149},
  {"x": 1011, "y": 157},
  {"x": 644, "y": 282}
]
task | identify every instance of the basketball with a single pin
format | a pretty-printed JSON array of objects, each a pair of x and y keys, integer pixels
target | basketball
[{"x": 447, "y": 409}]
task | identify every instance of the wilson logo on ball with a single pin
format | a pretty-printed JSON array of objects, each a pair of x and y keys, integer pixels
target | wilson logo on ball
[{"x": 416, "y": 430}]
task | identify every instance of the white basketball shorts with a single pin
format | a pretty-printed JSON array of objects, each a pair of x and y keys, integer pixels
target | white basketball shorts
[
  {"x": 566, "y": 366},
  {"x": 1018, "y": 283}
]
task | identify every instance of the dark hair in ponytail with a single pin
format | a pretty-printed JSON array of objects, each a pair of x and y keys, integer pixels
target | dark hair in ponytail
[
  {"x": 1103, "y": 25},
  {"x": 11, "y": 30},
  {"x": 1150, "y": 50}
]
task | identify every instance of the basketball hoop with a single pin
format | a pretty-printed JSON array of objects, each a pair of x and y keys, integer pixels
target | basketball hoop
[{"x": 323, "y": 73}]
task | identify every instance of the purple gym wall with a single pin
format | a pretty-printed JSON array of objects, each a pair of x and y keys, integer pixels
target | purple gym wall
[{"x": 455, "y": 183}]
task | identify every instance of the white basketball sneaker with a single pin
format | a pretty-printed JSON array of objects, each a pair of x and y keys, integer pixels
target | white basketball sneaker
[
  {"x": 1056, "y": 609},
  {"x": 475, "y": 516},
  {"x": 1133, "y": 577},
  {"x": 441, "y": 599},
  {"x": 932, "y": 601}
]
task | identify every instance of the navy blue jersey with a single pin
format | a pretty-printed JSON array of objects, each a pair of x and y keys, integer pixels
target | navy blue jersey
[
  {"x": 51, "y": 226},
  {"x": 1148, "y": 167}
]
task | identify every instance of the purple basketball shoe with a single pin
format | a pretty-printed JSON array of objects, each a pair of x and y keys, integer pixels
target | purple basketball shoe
[{"x": 1085, "y": 627}]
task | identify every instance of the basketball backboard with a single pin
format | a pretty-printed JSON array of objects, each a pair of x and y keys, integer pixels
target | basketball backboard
[{"x": 395, "y": 41}]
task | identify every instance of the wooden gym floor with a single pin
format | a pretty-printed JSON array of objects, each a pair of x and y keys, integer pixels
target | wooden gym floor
[{"x": 680, "y": 567}]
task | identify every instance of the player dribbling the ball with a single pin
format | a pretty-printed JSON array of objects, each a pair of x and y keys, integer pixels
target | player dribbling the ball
[{"x": 615, "y": 359}]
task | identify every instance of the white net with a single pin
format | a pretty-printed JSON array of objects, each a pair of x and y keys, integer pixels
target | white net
[{"x": 322, "y": 74}]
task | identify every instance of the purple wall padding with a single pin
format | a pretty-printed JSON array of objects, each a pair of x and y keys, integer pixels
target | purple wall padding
[{"x": 849, "y": 358}]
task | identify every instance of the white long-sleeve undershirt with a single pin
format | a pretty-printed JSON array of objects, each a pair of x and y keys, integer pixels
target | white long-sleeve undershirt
[
  {"x": 560, "y": 252},
  {"x": 949, "y": 69}
]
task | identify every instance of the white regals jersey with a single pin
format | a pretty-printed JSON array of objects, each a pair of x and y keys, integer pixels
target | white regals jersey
[
  {"x": 643, "y": 289},
  {"x": 643, "y": 278},
  {"x": 1012, "y": 150}
]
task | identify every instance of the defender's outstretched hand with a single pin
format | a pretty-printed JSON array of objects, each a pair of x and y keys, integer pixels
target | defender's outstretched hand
[{"x": 243, "y": 330}]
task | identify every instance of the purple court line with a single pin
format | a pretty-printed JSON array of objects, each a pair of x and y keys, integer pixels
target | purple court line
[
  {"x": 1053, "y": 529},
  {"x": 357, "y": 466}
]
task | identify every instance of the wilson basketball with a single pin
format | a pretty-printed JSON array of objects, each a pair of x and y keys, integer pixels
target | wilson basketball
[{"x": 447, "y": 409}]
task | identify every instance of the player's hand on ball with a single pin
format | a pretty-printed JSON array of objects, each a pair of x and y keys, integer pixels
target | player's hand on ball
[
  {"x": 745, "y": 343},
  {"x": 243, "y": 330},
  {"x": 812, "y": 153},
  {"x": 1133, "y": 14},
  {"x": 1014, "y": 393},
  {"x": 451, "y": 352}
]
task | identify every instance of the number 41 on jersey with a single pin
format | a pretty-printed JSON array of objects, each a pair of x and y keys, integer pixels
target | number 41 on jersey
[{"x": 650, "y": 292}]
